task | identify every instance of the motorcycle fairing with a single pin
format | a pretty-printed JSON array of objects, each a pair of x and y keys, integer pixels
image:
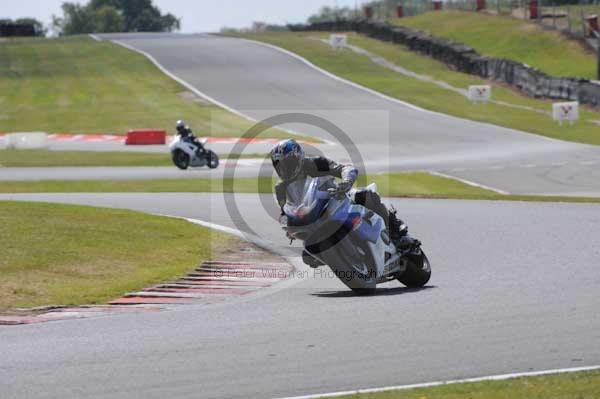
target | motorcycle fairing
[
  {"x": 352, "y": 216},
  {"x": 189, "y": 148},
  {"x": 307, "y": 200},
  {"x": 315, "y": 217}
]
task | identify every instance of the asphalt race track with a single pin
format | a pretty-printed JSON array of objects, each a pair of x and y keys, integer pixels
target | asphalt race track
[
  {"x": 262, "y": 82},
  {"x": 515, "y": 288}
]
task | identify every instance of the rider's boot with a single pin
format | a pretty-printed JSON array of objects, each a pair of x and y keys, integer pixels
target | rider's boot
[
  {"x": 398, "y": 228},
  {"x": 310, "y": 260},
  {"x": 399, "y": 233}
]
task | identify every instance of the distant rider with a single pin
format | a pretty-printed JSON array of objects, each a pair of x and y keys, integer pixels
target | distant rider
[
  {"x": 187, "y": 135},
  {"x": 291, "y": 165}
]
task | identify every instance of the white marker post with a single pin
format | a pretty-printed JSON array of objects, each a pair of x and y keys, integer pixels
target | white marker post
[
  {"x": 565, "y": 112},
  {"x": 480, "y": 94},
  {"x": 338, "y": 41}
]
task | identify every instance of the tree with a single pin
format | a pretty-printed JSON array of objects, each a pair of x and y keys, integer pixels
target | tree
[
  {"x": 147, "y": 21},
  {"x": 98, "y": 4},
  {"x": 77, "y": 19},
  {"x": 150, "y": 19},
  {"x": 108, "y": 19},
  {"x": 114, "y": 16},
  {"x": 170, "y": 23},
  {"x": 326, "y": 14},
  {"x": 132, "y": 11}
]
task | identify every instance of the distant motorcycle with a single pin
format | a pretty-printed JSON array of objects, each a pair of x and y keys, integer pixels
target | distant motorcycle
[
  {"x": 351, "y": 239},
  {"x": 186, "y": 153}
]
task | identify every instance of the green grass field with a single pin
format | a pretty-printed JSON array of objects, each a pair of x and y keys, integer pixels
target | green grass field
[
  {"x": 78, "y": 85},
  {"x": 511, "y": 38},
  {"x": 574, "y": 13},
  {"x": 69, "y": 255},
  {"x": 397, "y": 185},
  {"x": 43, "y": 158},
  {"x": 584, "y": 385},
  {"x": 241, "y": 185}
]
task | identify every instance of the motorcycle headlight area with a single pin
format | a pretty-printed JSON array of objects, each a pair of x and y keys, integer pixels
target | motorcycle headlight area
[{"x": 300, "y": 211}]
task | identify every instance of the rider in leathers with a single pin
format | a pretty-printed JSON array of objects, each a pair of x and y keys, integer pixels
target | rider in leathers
[
  {"x": 291, "y": 164},
  {"x": 186, "y": 134}
]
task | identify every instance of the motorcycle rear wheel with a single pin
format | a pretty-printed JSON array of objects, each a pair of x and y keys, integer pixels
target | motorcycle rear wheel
[
  {"x": 212, "y": 159},
  {"x": 418, "y": 270},
  {"x": 181, "y": 159}
]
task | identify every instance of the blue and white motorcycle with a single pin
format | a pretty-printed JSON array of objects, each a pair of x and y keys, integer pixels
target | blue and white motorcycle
[{"x": 351, "y": 239}]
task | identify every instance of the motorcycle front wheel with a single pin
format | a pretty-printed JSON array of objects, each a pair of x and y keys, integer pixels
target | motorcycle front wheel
[
  {"x": 354, "y": 265},
  {"x": 212, "y": 159},
  {"x": 181, "y": 159},
  {"x": 418, "y": 270}
]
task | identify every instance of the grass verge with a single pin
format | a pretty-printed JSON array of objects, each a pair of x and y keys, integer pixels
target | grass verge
[
  {"x": 86, "y": 255},
  {"x": 402, "y": 185},
  {"x": 362, "y": 70},
  {"x": 44, "y": 158},
  {"x": 583, "y": 385},
  {"x": 78, "y": 85},
  {"x": 511, "y": 38},
  {"x": 241, "y": 185}
]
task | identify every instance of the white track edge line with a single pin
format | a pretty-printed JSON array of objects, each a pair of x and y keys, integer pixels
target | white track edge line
[
  {"x": 205, "y": 96},
  {"x": 467, "y": 182},
  {"x": 210, "y": 225},
  {"x": 95, "y": 37},
  {"x": 294, "y": 261},
  {"x": 385, "y": 96},
  {"x": 297, "y": 264},
  {"x": 499, "y": 377},
  {"x": 181, "y": 81},
  {"x": 338, "y": 78},
  {"x": 218, "y": 227}
]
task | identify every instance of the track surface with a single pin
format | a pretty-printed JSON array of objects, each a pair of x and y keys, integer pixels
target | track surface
[
  {"x": 515, "y": 285},
  {"x": 244, "y": 168},
  {"x": 515, "y": 288},
  {"x": 263, "y": 82}
]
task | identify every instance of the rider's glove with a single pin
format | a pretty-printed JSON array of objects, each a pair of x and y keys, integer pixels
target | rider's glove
[
  {"x": 344, "y": 186},
  {"x": 341, "y": 188}
]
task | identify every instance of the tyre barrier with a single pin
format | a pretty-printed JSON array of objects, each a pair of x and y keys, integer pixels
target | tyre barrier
[
  {"x": 26, "y": 141},
  {"x": 146, "y": 137},
  {"x": 460, "y": 57}
]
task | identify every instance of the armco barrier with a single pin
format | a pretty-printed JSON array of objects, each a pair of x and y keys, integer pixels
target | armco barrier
[
  {"x": 463, "y": 58},
  {"x": 146, "y": 137}
]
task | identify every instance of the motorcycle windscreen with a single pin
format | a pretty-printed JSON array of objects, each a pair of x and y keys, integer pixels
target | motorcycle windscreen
[{"x": 306, "y": 199}]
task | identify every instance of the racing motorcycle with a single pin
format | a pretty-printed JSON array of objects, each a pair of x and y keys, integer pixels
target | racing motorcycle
[
  {"x": 351, "y": 239},
  {"x": 185, "y": 153}
]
